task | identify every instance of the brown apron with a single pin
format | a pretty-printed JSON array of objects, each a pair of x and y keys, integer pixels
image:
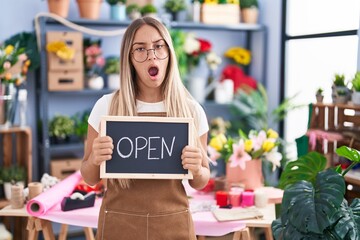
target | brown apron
[{"x": 149, "y": 210}]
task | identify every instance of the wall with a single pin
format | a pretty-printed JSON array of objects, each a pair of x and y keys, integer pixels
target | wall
[{"x": 18, "y": 16}]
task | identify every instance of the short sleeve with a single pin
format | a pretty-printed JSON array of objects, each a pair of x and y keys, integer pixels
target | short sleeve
[
  {"x": 202, "y": 119},
  {"x": 101, "y": 108}
]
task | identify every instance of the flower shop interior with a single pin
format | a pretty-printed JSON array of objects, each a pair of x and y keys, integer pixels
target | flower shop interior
[{"x": 279, "y": 83}]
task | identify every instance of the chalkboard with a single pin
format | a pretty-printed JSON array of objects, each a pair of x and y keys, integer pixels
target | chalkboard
[{"x": 146, "y": 147}]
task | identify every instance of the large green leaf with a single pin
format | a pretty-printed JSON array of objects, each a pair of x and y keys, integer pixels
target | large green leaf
[
  {"x": 349, "y": 153},
  {"x": 307, "y": 208},
  {"x": 305, "y": 168}
]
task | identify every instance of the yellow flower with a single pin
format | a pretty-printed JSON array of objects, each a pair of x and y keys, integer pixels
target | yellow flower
[
  {"x": 27, "y": 63},
  {"x": 9, "y": 49},
  {"x": 233, "y": 1},
  {"x": 211, "y": 1},
  {"x": 55, "y": 46},
  {"x": 268, "y": 145},
  {"x": 218, "y": 142},
  {"x": 239, "y": 55},
  {"x": 8, "y": 76},
  {"x": 248, "y": 145},
  {"x": 272, "y": 134},
  {"x": 65, "y": 53}
]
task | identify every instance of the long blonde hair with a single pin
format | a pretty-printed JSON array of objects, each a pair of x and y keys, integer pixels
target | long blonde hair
[{"x": 177, "y": 100}]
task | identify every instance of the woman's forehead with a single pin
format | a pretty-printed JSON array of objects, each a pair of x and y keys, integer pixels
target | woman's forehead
[{"x": 147, "y": 34}]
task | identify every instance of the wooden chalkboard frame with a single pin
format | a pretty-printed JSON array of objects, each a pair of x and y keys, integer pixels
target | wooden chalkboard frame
[{"x": 154, "y": 175}]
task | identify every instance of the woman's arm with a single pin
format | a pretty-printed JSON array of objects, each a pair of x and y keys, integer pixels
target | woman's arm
[
  {"x": 194, "y": 159},
  {"x": 97, "y": 150}
]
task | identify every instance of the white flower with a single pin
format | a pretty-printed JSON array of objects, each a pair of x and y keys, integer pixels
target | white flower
[
  {"x": 213, "y": 60},
  {"x": 274, "y": 157},
  {"x": 191, "y": 44}
]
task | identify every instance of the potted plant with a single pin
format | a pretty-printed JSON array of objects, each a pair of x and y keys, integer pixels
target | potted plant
[
  {"x": 176, "y": 9},
  {"x": 112, "y": 69},
  {"x": 149, "y": 10},
  {"x": 314, "y": 204},
  {"x": 12, "y": 175},
  {"x": 81, "y": 124},
  {"x": 249, "y": 11},
  {"x": 60, "y": 128},
  {"x": 117, "y": 9},
  {"x": 59, "y": 7},
  {"x": 133, "y": 11},
  {"x": 319, "y": 95},
  {"x": 89, "y": 9},
  {"x": 355, "y": 98},
  {"x": 340, "y": 92}
]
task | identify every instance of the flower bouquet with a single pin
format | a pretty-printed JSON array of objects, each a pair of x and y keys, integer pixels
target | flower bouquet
[{"x": 195, "y": 48}]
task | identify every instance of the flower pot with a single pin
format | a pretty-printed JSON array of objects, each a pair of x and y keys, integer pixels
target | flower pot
[
  {"x": 113, "y": 81},
  {"x": 59, "y": 7},
  {"x": 96, "y": 82},
  {"x": 8, "y": 99},
  {"x": 7, "y": 188},
  {"x": 118, "y": 12},
  {"x": 355, "y": 98},
  {"x": 319, "y": 98},
  {"x": 250, "y": 178},
  {"x": 250, "y": 15},
  {"x": 89, "y": 8}
]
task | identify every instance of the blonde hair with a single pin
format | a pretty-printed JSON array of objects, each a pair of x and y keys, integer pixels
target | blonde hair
[{"x": 177, "y": 100}]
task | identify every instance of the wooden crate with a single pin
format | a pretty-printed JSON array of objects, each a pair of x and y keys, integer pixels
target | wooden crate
[
  {"x": 61, "y": 168},
  {"x": 220, "y": 13},
  {"x": 65, "y": 80},
  {"x": 16, "y": 149},
  {"x": 75, "y": 41}
]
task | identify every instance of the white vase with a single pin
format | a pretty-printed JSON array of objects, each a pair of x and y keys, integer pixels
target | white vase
[
  {"x": 114, "y": 81},
  {"x": 355, "y": 98},
  {"x": 7, "y": 189},
  {"x": 196, "y": 87},
  {"x": 96, "y": 82}
]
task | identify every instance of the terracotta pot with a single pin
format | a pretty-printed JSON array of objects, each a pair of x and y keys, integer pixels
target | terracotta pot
[
  {"x": 89, "y": 8},
  {"x": 250, "y": 178},
  {"x": 59, "y": 7},
  {"x": 249, "y": 15}
]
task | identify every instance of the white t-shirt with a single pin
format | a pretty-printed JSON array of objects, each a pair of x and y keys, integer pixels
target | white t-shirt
[{"x": 101, "y": 108}]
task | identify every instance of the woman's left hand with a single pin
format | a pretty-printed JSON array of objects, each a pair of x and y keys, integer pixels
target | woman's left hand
[{"x": 192, "y": 159}]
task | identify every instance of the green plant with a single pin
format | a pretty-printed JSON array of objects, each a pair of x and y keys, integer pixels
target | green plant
[
  {"x": 112, "y": 65},
  {"x": 319, "y": 91},
  {"x": 314, "y": 206},
  {"x": 356, "y": 82},
  {"x": 174, "y": 6},
  {"x": 249, "y": 4},
  {"x": 114, "y": 2},
  {"x": 12, "y": 174},
  {"x": 339, "y": 80},
  {"x": 61, "y": 126},
  {"x": 132, "y": 8},
  {"x": 148, "y": 8},
  {"x": 81, "y": 124}
]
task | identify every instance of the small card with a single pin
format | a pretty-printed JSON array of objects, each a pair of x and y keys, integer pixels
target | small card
[{"x": 223, "y": 214}]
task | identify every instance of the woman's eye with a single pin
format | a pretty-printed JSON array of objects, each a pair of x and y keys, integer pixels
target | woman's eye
[
  {"x": 159, "y": 46},
  {"x": 140, "y": 49}
]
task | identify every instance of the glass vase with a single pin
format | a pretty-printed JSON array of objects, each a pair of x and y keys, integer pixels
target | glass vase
[{"x": 8, "y": 93}]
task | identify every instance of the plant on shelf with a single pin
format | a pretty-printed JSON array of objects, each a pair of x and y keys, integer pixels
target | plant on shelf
[
  {"x": 355, "y": 98},
  {"x": 133, "y": 11},
  {"x": 319, "y": 95},
  {"x": 94, "y": 63},
  {"x": 148, "y": 10},
  {"x": 112, "y": 69},
  {"x": 340, "y": 92},
  {"x": 117, "y": 9},
  {"x": 314, "y": 204},
  {"x": 174, "y": 7},
  {"x": 61, "y": 127},
  {"x": 114, "y": 2},
  {"x": 12, "y": 175},
  {"x": 249, "y": 11},
  {"x": 81, "y": 124}
]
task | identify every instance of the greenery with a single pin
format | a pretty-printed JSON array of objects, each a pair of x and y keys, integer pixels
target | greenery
[
  {"x": 114, "y": 2},
  {"x": 248, "y": 4},
  {"x": 319, "y": 91},
  {"x": 314, "y": 204},
  {"x": 132, "y": 8},
  {"x": 112, "y": 65},
  {"x": 148, "y": 8},
  {"x": 12, "y": 174},
  {"x": 339, "y": 80},
  {"x": 356, "y": 82},
  {"x": 61, "y": 126},
  {"x": 178, "y": 37},
  {"x": 81, "y": 124},
  {"x": 174, "y": 6}
]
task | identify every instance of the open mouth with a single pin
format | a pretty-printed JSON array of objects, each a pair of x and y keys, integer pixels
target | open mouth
[{"x": 153, "y": 71}]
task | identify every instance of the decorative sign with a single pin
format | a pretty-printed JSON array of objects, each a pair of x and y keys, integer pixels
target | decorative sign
[{"x": 146, "y": 147}]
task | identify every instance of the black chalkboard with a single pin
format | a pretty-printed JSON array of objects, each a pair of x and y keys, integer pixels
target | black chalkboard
[{"x": 146, "y": 147}]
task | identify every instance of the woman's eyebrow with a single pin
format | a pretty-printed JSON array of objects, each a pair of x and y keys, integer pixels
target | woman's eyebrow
[{"x": 143, "y": 43}]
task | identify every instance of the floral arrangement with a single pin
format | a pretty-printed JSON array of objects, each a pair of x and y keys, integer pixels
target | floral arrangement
[
  {"x": 93, "y": 58},
  {"x": 256, "y": 145},
  {"x": 240, "y": 55},
  {"x": 213, "y": 60},
  {"x": 14, "y": 64},
  {"x": 195, "y": 48},
  {"x": 61, "y": 50}
]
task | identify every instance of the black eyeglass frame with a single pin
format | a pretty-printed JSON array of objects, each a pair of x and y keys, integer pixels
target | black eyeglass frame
[{"x": 154, "y": 50}]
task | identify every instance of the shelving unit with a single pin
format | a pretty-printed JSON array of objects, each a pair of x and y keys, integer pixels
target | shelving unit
[{"x": 46, "y": 150}]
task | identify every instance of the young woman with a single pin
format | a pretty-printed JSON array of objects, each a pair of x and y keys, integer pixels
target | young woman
[{"x": 150, "y": 86}]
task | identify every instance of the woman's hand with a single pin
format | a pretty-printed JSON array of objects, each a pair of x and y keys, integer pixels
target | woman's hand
[
  {"x": 192, "y": 160},
  {"x": 102, "y": 149}
]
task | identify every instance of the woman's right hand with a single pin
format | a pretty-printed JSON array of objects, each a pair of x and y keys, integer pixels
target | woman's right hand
[{"x": 102, "y": 149}]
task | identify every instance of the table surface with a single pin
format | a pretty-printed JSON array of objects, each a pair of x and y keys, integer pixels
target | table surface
[{"x": 204, "y": 221}]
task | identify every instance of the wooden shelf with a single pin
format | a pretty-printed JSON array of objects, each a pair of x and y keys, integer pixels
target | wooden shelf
[{"x": 4, "y": 203}]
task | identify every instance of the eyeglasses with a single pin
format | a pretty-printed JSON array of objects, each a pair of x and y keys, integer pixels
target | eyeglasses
[{"x": 161, "y": 52}]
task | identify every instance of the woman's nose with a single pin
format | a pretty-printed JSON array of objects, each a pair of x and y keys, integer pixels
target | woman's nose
[{"x": 151, "y": 54}]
